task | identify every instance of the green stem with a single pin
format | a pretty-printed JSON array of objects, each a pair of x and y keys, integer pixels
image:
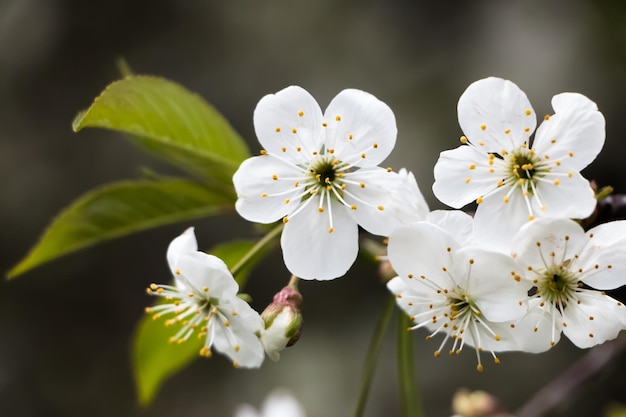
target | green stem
[
  {"x": 372, "y": 356},
  {"x": 410, "y": 398},
  {"x": 259, "y": 245}
]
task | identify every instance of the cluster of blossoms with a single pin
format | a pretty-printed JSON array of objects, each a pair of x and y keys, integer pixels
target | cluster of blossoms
[
  {"x": 521, "y": 272},
  {"x": 514, "y": 277}
]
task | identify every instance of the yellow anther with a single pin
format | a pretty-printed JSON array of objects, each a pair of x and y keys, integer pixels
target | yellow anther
[
  {"x": 389, "y": 169},
  {"x": 507, "y": 131},
  {"x": 320, "y": 209},
  {"x": 205, "y": 289},
  {"x": 283, "y": 149},
  {"x": 300, "y": 113},
  {"x": 353, "y": 207},
  {"x": 381, "y": 208},
  {"x": 363, "y": 155},
  {"x": 375, "y": 146},
  {"x": 298, "y": 149},
  {"x": 528, "y": 112},
  {"x": 330, "y": 230},
  {"x": 543, "y": 208},
  {"x": 467, "y": 180},
  {"x": 235, "y": 364},
  {"x": 287, "y": 201},
  {"x": 350, "y": 136},
  {"x": 338, "y": 118},
  {"x": 571, "y": 154},
  {"x": 324, "y": 124},
  {"x": 159, "y": 291},
  {"x": 481, "y": 143},
  {"x": 472, "y": 166},
  {"x": 483, "y": 126},
  {"x": 557, "y": 182},
  {"x": 362, "y": 184},
  {"x": 531, "y": 218},
  {"x": 295, "y": 184},
  {"x": 285, "y": 219},
  {"x": 148, "y": 309},
  {"x": 294, "y": 130},
  {"x": 263, "y": 152},
  {"x": 546, "y": 117},
  {"x": 463, "y": 139},
  {"x": 505, "y": 199},
  {"x": 263, "y": 195},
  {"x": 343, "y": 186},
  {"x": 274, "y": 177},
  {"x": 479, "y": 368},
  {"x": 278, "y": 130},
  {"x": 569, "y": 174},
  {"x": 500, "y": 183},
  {"x": 526, "y": 129}
]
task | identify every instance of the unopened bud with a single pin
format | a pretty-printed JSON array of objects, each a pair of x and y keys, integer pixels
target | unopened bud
[
  {"x": 283, "y": 322},
  {"x": 477, "y": 404}
]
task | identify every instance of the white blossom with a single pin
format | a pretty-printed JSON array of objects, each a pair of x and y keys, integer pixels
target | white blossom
[
  {"x": 280, "y": 403},
  {"x": 567, "y": 271},
  {"x": 204, "y": 300},
  {"x": 467, "y": 293},
  {"x": 319, "y": 173},
  {"x": 513, "y": 180}
]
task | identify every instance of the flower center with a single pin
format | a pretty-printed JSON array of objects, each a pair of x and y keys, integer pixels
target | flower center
[
  {"x": 325, "y": 172},
  {"x": 524, "y": 166},
  {"x": 557, "y": 285},
  {"x": 193, "y": 308}
]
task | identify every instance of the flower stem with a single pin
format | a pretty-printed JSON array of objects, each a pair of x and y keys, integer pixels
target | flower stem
[
  {"x": 410, "y": 398},
  {"x": 372, "y": 356},
  {"x": 259, "y": 245}
]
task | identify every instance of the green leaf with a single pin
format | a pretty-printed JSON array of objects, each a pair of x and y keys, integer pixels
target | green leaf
[
  {"x": 166, "y": 119},
  {"x": 154, "y": 359},
  {"x": 120, "y": 209}
]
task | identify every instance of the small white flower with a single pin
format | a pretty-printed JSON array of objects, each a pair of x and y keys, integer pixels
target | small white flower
[
  {"x": 566, "y": 271},
  {"x": 511, "y": 180},
  {"x": 280, "y": 403},
  {"x": 319, "y": 173},
  {"x": 467, "y": 293},
  {"x": 204, "y": 299}
]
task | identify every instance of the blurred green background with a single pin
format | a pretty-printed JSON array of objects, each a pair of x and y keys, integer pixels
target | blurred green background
[{"x": 65, "y": 329}]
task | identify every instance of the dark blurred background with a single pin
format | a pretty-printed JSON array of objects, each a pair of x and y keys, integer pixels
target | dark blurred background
[{"x": 65, "y": 329}]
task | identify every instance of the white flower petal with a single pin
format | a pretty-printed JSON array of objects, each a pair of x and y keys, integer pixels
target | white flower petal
[
  {"x": 536, "y": 242},
  {"x": 539, "y": 329},
  {"x": 289, "y": 118},
  {"x": 456, "y": 222},
  {"x": 411, "y": 198},
  {"x": 281, "y": 403},
  {"x": 311, "y": 252},
  {"x": 492, "y": 106},
  {"x": 422, "y": 250},
  {"x": 462, "y": 175},
  {"x": 261, "y": 197},
  {"x": 566, "y": 197},
  {"x": 496, "y": 222},
  {"x": 603, "y": 258},
  {"x": 360, "y": 124},
  {"x": 493, "y": 280},
  {"x": 376, "y": 209},
  {"x": 197, "y": 270},
  {"x": 574, "y": 135},
  {"x": 235, "y": 334},
  {"x": 596, "y": 319},
  {"x": 181, "y": 245}
]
